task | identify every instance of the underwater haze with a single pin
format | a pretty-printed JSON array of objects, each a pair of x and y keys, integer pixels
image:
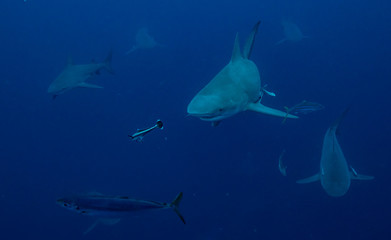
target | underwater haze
[{"x": 232, "y": 188}]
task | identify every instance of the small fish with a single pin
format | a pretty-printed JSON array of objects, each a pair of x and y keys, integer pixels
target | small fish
[
  {"x": 281, "y": 165},
  {"x": 140, "y": 133},
  {"x": 115, "y": 206},
  {"x": 304, "y": 107}
]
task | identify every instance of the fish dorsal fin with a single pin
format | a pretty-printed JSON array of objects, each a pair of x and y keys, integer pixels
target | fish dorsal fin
[
  {"x": 236, "y": 51},
  {"x": 248, "y": 47},
  {"x": 70, "y": 61}
]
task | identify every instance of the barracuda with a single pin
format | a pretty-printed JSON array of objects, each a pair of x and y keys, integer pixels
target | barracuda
[{"x": 115, "y": 206}]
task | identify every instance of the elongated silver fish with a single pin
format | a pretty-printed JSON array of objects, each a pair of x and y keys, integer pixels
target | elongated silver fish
[
  {"x": 140, "y": 133},
  {"x": 115, "y": 206},
  {"x": 303, "y": 107}
]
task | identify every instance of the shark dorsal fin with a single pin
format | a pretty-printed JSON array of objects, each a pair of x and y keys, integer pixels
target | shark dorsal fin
[
  {"x": 70, "y": 61},
  {"x": 236, "y": 51},
  {"x": 248, "y": 47}
]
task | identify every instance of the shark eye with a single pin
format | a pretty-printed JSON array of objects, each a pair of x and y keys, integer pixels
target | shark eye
[
  {"x": 220, "y": 109},
  {"x": 65, "y": 205}
]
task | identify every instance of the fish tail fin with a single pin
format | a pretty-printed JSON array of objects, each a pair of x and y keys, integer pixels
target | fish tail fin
[
  {"x": 108, "y": 62},
  {"x": 175, "y": 205}
]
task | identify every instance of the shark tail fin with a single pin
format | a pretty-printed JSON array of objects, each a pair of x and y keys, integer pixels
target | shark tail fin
[
  {"x": 258, "y": 107},
  {"x": 311, "y": 179},
  {"x": 248, "y": 47},
  {"x": 107, "y": 62},
  {"x": 336, "y": 123},
  {"x": 175, "y": 205}
]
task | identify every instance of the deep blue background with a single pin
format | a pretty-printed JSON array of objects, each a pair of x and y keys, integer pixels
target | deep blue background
[{"x": 232, "y": 188}]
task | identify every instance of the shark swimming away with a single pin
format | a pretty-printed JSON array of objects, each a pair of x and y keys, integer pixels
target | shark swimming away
[
  {"x": 292, "y": 32},
  {"x": 74, "y": 76},
  {"x": 115, "y": 206},
  {"x": 236, "y": 88},
  {"x": 335, "y": 174},
  {"x": 143, "y": 41}
]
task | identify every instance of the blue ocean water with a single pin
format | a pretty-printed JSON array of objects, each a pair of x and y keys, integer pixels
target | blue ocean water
[{"x": 232, "y": 188}]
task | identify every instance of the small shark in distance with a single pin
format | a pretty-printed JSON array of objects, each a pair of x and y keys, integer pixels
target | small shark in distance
[
  {"x": 303, "y": 107},
  {"x": 292, "y": 32},
  {"x": 236, "y": 88},
  {"x": 143, "y": 41},
  {"x": 74, "y": 76},
  {"x": 335, "y": 175},
  {"x": 115, "y": 206}
]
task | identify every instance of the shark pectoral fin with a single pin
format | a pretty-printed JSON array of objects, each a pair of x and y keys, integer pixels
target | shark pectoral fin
[
  {"x": 134, "y": 48},
  {"x": 311, "y": 179},
  {"x": 360, "y": 177},
  {"x": 257, "y": 107},
  {"x": 88, "y": 85},
  {"x": 104, "y": 221},
  {"x": 90, "y": 228},
  {"x": 281, "y": 41}
]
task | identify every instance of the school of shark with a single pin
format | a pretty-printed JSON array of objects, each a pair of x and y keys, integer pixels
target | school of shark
[{"x": 235, "y": 88}]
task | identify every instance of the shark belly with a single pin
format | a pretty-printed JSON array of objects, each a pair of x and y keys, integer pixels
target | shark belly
[{"x": 334, "y": 172}]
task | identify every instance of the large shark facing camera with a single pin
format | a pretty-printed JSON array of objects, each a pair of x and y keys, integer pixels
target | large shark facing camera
[{"x": 236, "y": 88}]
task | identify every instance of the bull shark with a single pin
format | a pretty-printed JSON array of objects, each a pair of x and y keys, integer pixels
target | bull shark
[
  {"x": 143, "y": 41},
  {"x": 335, "y": 174},
  {"x": 292, "y": 32},
  {"x": 74, "y": 76},
  {"x": 236, "y": 88}
]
